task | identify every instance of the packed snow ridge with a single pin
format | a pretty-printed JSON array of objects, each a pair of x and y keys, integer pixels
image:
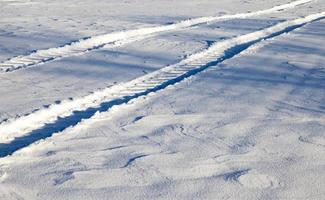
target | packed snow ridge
[
  {"x": 151, "y": 82},
  {"x": 123, "y": 37}
]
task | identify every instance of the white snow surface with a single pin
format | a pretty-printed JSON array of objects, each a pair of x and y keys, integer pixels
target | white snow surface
[
  {"x": 41, "y": 56},
  {"x": 157, "y": 99}
]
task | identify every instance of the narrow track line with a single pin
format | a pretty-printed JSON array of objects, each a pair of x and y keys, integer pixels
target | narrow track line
[
  {"x": 21, "y": 132},
  {"x": 124, "y": 37}
]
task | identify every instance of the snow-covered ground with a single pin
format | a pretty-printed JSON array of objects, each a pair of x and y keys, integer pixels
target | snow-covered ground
[{"x": 152, "y": 99}]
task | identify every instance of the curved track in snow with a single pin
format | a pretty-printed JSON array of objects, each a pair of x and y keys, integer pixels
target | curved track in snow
[
  {"x": 123, "y": 37},
  {"x": 20, "y": 132}
]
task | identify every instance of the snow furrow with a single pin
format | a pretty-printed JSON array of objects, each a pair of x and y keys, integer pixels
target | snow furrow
[
  {"x": 121, "y": 38},
  {"x": 104, "y": 99}
]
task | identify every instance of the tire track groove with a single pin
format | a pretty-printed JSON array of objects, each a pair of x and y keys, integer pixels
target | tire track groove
[
  {"x": 18, "y": 133},
  {"x": 116, "y": 39}
]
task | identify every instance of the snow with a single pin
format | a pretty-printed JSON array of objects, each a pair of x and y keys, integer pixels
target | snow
[
  {"x": 223, "y": 107},
  {"x": 149, "y": 83},
  {"x": 41, "y": 56}
]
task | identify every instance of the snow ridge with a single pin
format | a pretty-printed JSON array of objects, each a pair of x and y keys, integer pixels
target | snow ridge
[
  {"x": 153, "y": 82},
  {"x": 121, "y": 38}
]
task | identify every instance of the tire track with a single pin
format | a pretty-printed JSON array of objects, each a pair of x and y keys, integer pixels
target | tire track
[
  {"x": 18, "y": 133},
  {"x": 120, "y": 38}
]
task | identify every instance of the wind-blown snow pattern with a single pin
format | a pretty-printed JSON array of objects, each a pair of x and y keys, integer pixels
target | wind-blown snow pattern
[
  {"x": 124, "y": 37},
  {"x": 152, "y": 82}
]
